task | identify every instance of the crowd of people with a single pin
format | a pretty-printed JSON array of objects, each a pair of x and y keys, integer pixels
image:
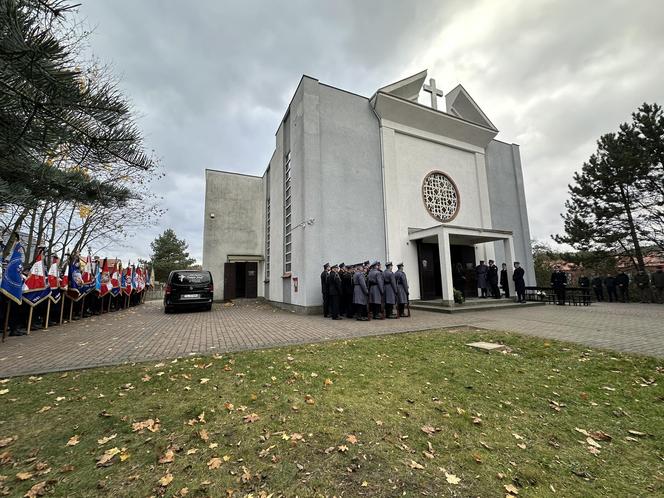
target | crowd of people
[
  {"x": 649, "y": 286},
  {"x": 364, "y": 291},
  {"x": 490, "y": 280}
]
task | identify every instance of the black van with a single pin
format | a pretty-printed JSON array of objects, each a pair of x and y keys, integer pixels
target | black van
[{"x": 188, "y": 288}]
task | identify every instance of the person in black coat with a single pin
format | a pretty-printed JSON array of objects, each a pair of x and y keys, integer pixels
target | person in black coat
[
  {"x": 334, "y": 292},
  {"x": 346, "y": 290},
  {"x": 610, "y": 283},
  {"x": 504, "y": 283},
  {"x": 519, "y": 282},
  {"x": 559, "y": 283},
  {"x": 596, "y": 282},
  {"x": 323, "y": 285},
  {"x": 492, "y": 275},
  {"x": 622, "y": 281}
]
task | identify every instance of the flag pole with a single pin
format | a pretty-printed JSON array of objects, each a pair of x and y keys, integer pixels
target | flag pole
[
  {"x": 71, "y": 309},
  {"x": 48, "y": 313},
  {"x": 30, "y": 319},
  {"x": 62, "y": 307},
  {"x": 4, "y": 331}
]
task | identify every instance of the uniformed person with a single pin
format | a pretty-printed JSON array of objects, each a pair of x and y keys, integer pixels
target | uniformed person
[
  {"x": 492, "y": 276},
  {"x": 323, "y": 286},
  {"x": 559, "y": 283},
  {"x": 390, "y": 290},
  {"x": 402, "y": 289},
  {"x": 360, "y": 293},
  {"x": 519, "y": 283},
  {"x": 376, "y": 289},
  {"x": 346, "y": 306},
  {"x": 334, "y": 292}
]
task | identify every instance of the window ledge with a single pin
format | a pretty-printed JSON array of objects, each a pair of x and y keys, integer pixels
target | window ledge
[{"x": 287, "y": 274}]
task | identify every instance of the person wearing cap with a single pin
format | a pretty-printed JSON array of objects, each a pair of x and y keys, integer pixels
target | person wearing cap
[
  {"x": 519, "y": 283},
  {"x": 376, "y": 289},
  {"x": 390, "y": 290},
  {"x": 559, "y": 283},
  {"x": 492, "y": 276},
  {"x": 334, "y": 292},
  {"x": 323, "y": 285},
  {"x": 481, "y": 272},
  {"x": 360, "y": 293},
  {"x": 346, "y": 290},
  {"x": 402, "y": 289}
]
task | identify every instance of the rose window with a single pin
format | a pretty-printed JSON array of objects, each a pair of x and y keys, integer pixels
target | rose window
[{"x": 440, "y": 196}]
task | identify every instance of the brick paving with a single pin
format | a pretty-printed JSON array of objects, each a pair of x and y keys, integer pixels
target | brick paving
[{"x": 146, "y": 333}]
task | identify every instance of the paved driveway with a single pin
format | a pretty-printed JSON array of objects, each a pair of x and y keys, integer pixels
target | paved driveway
[{"x": 146, "y": 333}]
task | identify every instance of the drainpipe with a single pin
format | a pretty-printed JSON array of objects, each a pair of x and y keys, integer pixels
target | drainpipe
[{"x": 382, "y": 174}]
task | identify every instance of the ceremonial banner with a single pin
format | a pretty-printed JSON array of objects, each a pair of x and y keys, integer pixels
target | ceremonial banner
[
  {"x": 77, "y": 288},
  {"x": 134, "y": 280},
  {"x": 35, "y": 289},
  {"x": 127, "y": 284},
  {"x": 103, "y": 281},
  {"x": 115, "y": 280},
  {"x": 12, "y": 279},
  {"x": 87, "y": 275},
  {"x": 54, "y": 280}
]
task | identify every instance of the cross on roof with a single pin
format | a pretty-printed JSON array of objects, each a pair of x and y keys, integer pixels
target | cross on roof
[{"x": 435, "y": 92}]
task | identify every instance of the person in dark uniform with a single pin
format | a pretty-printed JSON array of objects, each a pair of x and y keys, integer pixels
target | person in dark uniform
[
  {"x": 323, "y": 286},
  {"x": 360, "y": 294},
  {"x": 596, "y": 283},
  {"x": 390, "y": 290},
  {"x": 492, "y": 276},
  {"x": 481, "y": 272},
  {"x": 346, "y": 290},
  {"x": 376, "y": 289},
  {"x": 459, "y": 278},
  {"x": 622, "y": 281},
  {"x": 334, "y": 292},
  {"x": 402, "y": 289},
  {"x": 584, "y": 283},
  {"x": 559, "y": 283},
  {"x": 642, "y": 280},
  {"x": 504, "y": 282},
  {"x": 519, "y": 283},
  {"x": 610, "y": 283}
]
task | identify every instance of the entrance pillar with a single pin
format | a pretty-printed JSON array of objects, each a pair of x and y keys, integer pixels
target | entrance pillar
[
  {"x": 445, "y": 268},
  {"x": 508, "y": 248}
]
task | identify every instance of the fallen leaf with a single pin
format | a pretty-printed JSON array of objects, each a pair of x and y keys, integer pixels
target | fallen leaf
[
  {"x": 477, "y": 457},
  {"x": 24, "y": 476},
  {"x": 592, "y": 442},
  {"x": 414, "y": 465},
  {"x": 251, "y": 418},
  {"x": 204, "y": 381},
  {"x": 4, "y": 391},
  {"x": 106, "y": 439},
  {"x": 600, "y": 436},
  {"x": 582, "y": 431},
  {"x": 107, "y": 458},
  {"x": 308, "y": 399},
  {"x": 7, "y": 441},
  {"x": 67, "y": 468},
  {"x": 74, "y": 440},
  {"x": 192, "y": 451},
  {"x": 203, "y": 434},
  {"x": 521, "y": 445},
  {"x": 452, "y": 479},
  {"x": 636, "y": 433},
  {"x": 477, "y": 421},
  {"x": 364, "y": 484},
  {"x": 168, "y": 456},
  {"x": 427, "y": 429},
  {"x": 328, "y": 382},
  {"x": 150, "y": 424},
  {"x": 342, "y": 448},
  {"x": 214, "y": 463},
  {"x": 351, "y": 438},
  {"x": 37, "y": 490},
  {"x": 511, "y": 488},
  {"x": 166, "y": 480},
  {"x": 183, "y": 492},
  {"x": 228, "y": 406},
  {"x": 44, "y": 409},
  {"x": 246, "y": 475}
]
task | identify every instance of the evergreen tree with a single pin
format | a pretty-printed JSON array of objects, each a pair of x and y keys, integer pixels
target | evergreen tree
[
  {"x": 611, "y": 200},
  {"x": 169, "y": 253}
]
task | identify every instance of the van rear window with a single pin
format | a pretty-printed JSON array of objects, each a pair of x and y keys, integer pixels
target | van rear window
[{"x": 191, "y": 277}]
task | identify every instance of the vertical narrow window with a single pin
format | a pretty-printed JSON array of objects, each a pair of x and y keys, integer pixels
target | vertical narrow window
[
  {"x": 267, "y": 238},
  {"x": 287, "y": 212}
]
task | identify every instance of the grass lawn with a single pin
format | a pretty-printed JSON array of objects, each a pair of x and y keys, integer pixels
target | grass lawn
[{"x": 402, "y": 415}]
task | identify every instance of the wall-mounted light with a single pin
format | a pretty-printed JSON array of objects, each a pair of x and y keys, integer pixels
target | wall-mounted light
[{"x": 212, "y": 215}]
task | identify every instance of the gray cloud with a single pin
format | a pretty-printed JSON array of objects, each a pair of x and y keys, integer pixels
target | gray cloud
[{"x": 211, "y": 80}]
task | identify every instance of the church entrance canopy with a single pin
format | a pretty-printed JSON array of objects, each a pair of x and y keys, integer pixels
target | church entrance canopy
[{"x": 448, "y": 238}]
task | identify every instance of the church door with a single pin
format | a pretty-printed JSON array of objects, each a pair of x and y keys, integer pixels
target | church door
[
  {"x": 464, "y": 255},
  {"x": 240, "y": 280},
  {"x": 429, "y": 266},
  {"x": 229, "y": 281}
]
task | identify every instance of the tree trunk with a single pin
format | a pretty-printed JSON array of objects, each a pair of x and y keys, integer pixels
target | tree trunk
[{"x": 632, "y": 229}]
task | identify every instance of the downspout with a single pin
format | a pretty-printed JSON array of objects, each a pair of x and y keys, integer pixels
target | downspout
[{"x": 382, "y": 174}]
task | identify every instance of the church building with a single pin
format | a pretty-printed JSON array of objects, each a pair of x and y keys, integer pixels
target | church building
[{"x": 356, "y": 178}]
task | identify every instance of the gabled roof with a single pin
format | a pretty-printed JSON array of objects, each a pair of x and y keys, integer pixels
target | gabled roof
[
  {"x": 407, "y": 88},
  {"x": 460, "y": 103}
]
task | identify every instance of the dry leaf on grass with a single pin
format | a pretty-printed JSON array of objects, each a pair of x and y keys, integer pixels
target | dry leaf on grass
[
  {"x": 74, "y": 440},
  {"x": 107, "y": 458},
  {"x": 427, "y": 429},
  {"x": 168, "y": 456},
  {"x": 214, "y": 463},
  {"x": 203, "y": 434},
  {"x": 24, "y": 476},
  {"x": 44, "y": 409},
  {"x": 7, "y": 441},
  {"x": 308, "y": 399},
  {"x": 150, "y": 424},
  {"x": 252, "y": 417},
  {"x": 414, "y": 465},
  {"x": 351, "y": 438},
  {"x": 37, "y": 490},
  {"x": 511, "y": 488},
  {"x": 106, "y": 439},
  {"x": 166, "y": 480},
  {"x": 452, "y": 479},
  {"x": 328, "y": 382}
]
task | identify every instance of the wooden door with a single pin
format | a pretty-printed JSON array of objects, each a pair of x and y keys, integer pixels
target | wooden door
[
  {"x": 229, "y": 281},
  {"x": 251, "y": 280},
  {"x": 427, "y": 267}
]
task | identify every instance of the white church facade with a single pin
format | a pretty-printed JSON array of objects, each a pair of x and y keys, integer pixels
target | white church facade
[{"x": 382, "y": 178}]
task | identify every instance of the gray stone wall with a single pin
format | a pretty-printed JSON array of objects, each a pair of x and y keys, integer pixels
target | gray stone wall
[
  {"x": 237, "y": 202},
  {"x": 508, "y": 203}
]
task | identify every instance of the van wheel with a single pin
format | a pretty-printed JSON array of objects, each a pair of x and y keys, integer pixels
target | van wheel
[{"x": 167, "y": 310}]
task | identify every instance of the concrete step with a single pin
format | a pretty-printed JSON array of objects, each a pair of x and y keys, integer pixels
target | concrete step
[{"x": 469, "y": 307}]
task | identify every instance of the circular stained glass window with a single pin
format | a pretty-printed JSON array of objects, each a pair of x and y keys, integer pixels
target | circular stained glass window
[{"x": 440, "y": 195}]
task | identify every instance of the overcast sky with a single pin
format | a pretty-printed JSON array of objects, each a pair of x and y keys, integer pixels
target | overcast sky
[{"x": 212, "y": 79}]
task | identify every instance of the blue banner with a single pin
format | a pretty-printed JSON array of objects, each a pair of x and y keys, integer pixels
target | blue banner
[
  {"x": 35, "y": 297},
  {"x": 12, "y": 279}
]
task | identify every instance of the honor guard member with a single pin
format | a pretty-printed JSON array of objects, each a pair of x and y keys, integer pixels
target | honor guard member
[
  {"x": 345, "y": 307},
  {"x": 323, "y": 286},
  {"x": 390, "y": 290},
  {"x": 481, "y": 273},
  {"x": 402, "y": 289},
  {"x": 360, "y": 294},
  {"x": 559, "y": 283},
  {"x": 519, "y": 283},
  {"x": 334, "y": 292},
  {"x": 492, "y": 275},
  {"x": 376, "y": 289}
]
